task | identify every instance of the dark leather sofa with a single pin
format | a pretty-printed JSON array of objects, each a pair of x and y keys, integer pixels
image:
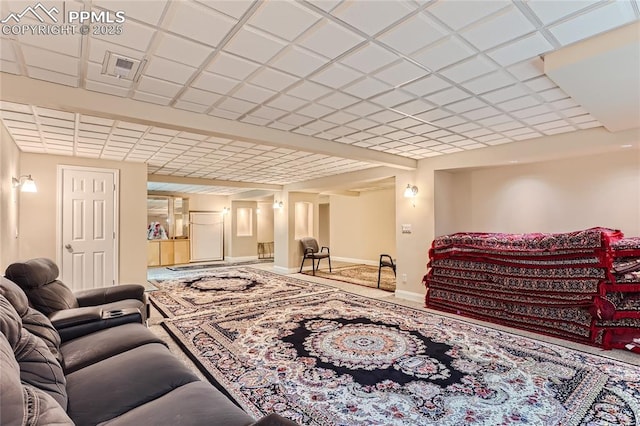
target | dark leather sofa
[{"x": 120, "y": 375}]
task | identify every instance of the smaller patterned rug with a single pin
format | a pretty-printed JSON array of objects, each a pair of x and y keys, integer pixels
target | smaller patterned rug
[
  {"x": 365, "y": 275},
  {"x": 224, "y": 289}
]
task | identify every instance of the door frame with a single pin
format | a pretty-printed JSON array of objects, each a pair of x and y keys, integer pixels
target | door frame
[{"x": 116, "y": 213}]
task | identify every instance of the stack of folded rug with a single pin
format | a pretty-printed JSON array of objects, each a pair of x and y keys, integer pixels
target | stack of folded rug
[{"x": 564, "y": 285}]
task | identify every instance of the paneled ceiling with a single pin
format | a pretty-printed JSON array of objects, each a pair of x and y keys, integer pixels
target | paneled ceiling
[{"x": 413, "y": 79}]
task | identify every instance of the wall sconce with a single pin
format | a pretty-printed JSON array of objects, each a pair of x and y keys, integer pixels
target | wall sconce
[
  {"x": 226, "y": 210},
  {"x": 25, "y": 183},
  {"x": 278, "y": 204},
  {"x": 411, "y": 191}
]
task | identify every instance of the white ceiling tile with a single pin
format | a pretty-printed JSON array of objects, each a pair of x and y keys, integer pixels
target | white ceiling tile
[
  {"x": 371, "y": 17},
  {"x": 6, "y": 50},
  {"x": 458, "y": 17},
  {"x": 413, "y": 34},
  {"x": 315, "y": 111},
  {"x": 535, "y": 110},
  {"x": 426, "y": 85},
  {"x": 295, "y": 119},
  {"x": 165, "y": 69},
  {"x": 336, "y": 75},
  {"x": 369, "y": 58},
  {"x": 148, "y": 11},
  {"x": 550, "y": 11},
  {"x": 553, "y": 94},
  {"x": 272, "y": 79},
  {"x": 527, "y": 48},
  {"x": 236, "y": 105},
  {"x": 363, "y": 108},
  {"x": 319, "y": 126},
  {"x": 447, "y": 96},
  {"x": 222, "y": 113},
  {"x": 69, "y": 44},
  {"x": 392, "y": 98},
  {"x": 181, "y": 50},
  {"x": 362, "y": 124},
  {"x": 466, "y": 105},
  {"x": 149, "y": 97},
  {"x": 468, "y": 69},
  {"x": 253, "y": 93},
  {"x": 95, "y": 86},
  {"x": 506, "y": 93},
  {"x": 385, "y": 116},
  {"x": 298, "y": 61},
  {"x": 309, "y": 91},
  {"x": 329, "y": 39},
  {"x": 283, "y": 18},
  {"x": 201, "y": 97},
  {"x": 400, "y": 73},
  {"x": 134, "y": 36},
  {"x": 53, "y": 77},
  {"x": 268, "y": 113},
  {"x": 508, "y": 24},
  {"x": 214, "y": 83},
  {"x": 255, "y": 120},
  {"x": 477, "y": 114},
  {"x": 338, "y": 100},
  {"x": 10, "y": 67},
  {"x": 553, "y": 125},
  {"x": 158, "y": 87},
  {"x": 254, "y": 44},
  {"x": 519, "y": 103},
  {"x": 232, "y": 66},
  {"x": 287, "y": 103},
  {"x": 552, "y": 116},
  {"x": 199, "y": 23},
  {"x": 539, "y": 84},
  {"x": 235, "y": 8},
  {"x": 366, "y": 88},
  {"x": 433, "y": 114},
  {"x": 414, "y": 107},
  {"x": 527, "y": 69},
  {"x": 51, "y": 61},
  {"x": 340, "y": 117},
  {"x": 609, "y": 15},
  {"x": 489, "y": 82},
  {"x": 443, "y": 53}
]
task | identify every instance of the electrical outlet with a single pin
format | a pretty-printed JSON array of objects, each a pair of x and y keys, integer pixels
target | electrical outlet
[{"x": 404, "y": 278}]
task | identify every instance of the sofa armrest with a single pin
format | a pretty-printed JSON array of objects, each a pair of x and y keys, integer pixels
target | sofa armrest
[
  {"x": 99, "y": 296},
  {"x": 274, "y": 419},
  {"x": 76, "y": 322}
]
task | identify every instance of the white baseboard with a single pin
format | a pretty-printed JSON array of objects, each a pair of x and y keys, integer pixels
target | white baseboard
[
  {"x": 241, "y": 258},
  {"x": 283, "y": 270},
  {"x": 352, "y": 260},
  {"x": 410, "y": 295}
]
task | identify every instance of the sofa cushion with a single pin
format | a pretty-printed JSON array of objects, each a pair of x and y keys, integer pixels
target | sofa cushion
[
  {"x": 85, "y": 350},
  {"x": 11, "y": 397},
  {"x": 129, "y": 379},
  {"x": 196, "y": 403},
  {"x": 41, "y": 409},
  {"x": 38, "y": 366},
  {"x": 37, "y": 277},
  {"x": 32, "y": 320}
]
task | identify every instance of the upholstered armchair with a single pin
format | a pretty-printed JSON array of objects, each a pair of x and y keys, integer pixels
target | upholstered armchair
[
  {"x": 312, "y": 251},
  {"x": 81, "y": 312}
]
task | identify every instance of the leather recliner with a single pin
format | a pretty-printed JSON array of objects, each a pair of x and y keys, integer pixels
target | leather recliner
[{"x": 77, "y": 313}]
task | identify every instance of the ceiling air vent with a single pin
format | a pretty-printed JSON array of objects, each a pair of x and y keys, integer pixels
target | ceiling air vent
[{"x": 121, "y": 67}]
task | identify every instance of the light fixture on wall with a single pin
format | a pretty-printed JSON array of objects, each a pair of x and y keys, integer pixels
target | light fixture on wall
[
  {"x": 225, "y": 210},
  {"x": 411, "y": 191},
  {"x": 25, "y": 183},
  {"x": 278, "y": 204}
]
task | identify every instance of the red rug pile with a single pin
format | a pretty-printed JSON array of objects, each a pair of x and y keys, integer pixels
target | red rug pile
[{"x": 583, "y": 286}]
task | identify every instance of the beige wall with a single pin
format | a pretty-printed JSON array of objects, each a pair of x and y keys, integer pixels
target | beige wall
[
  {"x": 287, "y": 251},
  {"x": 363, "y": 227},
  {"x": 38, "y": 213},
  {"x": 243, "y": 246},
  {"x": 9, "y": 200},
  {"x": 212, "y": 203},
  {"x": 324, "y": 225},
  {"x": 265, "y": 222},
  {"x": 556, "y": 196}
]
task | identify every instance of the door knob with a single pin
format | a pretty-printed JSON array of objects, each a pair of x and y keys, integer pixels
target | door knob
[{"x": 68, "y": 247}]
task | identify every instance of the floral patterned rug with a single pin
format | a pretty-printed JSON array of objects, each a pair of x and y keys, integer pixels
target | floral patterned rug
[
  {"x": 328, "y": 357},
  {"x": 365, "y": 275}
]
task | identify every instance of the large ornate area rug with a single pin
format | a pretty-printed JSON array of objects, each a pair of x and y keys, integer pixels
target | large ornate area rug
[
  {"x": 223, "y": 289},
  {"x": 365, "y": 275},
  {"x": 335, "y": 358}
]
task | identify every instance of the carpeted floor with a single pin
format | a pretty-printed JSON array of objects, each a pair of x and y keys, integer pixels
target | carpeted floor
[
  {"x": 326, "y": 357},
  {"x": 366, "y": 275},
  {"x": 216, "y": 264}
]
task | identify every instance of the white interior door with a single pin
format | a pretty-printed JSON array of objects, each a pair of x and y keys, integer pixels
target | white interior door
[
  {"x": 206, "y": 230},
  {"x": 88, "y": 234}
]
